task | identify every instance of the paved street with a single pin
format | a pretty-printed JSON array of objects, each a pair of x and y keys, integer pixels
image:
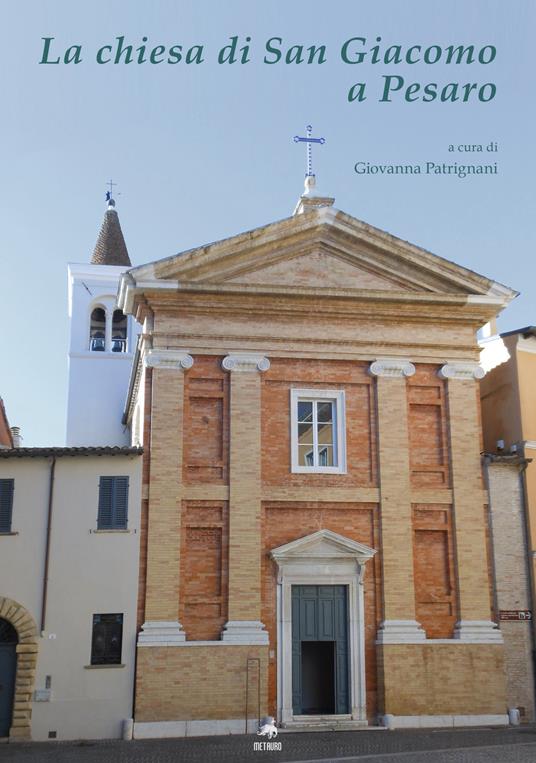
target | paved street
[{"x": 454, "y": 746}]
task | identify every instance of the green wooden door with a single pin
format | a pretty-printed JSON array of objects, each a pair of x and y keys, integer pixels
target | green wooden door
[{"x": 320, "y": 660}]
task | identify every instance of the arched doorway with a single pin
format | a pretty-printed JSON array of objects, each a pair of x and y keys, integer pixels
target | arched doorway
[
  {"x": 26, "y": 647},
  {"x": 8, "y": 670}
]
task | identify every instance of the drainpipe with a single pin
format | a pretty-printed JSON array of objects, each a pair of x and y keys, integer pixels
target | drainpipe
[
  {"x": 491, "y": 547},
  {"x": 47, "y": 543}
]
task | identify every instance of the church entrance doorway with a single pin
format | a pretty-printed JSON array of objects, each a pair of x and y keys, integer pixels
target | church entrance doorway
[
  {"x": 8, "y": 669},
  {"x": 320, "y": 667}
]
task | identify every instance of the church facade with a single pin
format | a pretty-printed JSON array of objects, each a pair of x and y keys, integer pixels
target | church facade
[{"x": 313, "y": 524}]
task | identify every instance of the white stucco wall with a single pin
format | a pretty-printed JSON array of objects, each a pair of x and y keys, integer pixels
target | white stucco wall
[
  {"x": 89, "y": 573},
  {"x": 98, "y": 381}
]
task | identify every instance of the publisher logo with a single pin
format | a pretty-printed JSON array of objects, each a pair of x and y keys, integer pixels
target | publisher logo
[{"x": 268, "y": 730}]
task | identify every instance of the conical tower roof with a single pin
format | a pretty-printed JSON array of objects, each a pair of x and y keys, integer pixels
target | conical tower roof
[{"x": 110, "y": 248}]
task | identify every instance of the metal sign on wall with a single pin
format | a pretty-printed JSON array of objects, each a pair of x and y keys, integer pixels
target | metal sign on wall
[{"x": 515, "y": 614}]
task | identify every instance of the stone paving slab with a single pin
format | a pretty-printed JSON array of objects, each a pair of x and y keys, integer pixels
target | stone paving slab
[{"x": 408, "y": 746}]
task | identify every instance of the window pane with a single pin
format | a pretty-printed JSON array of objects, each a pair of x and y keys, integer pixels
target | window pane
[
  {"x": 107, "y": 639},
  {"x": 325, "y": 434},
  {"x": 305, "y": 455},
  {"x": 325, "y": 411},
  {"x": 305, "y": 434},
  {"x": 305, "y": 411},
  {"x": 325, "y": 456}
]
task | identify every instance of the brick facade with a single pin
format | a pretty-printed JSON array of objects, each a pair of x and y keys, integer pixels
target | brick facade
[{"x": 222, "y": 495}]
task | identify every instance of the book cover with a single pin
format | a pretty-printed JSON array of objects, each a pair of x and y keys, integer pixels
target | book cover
[{"x": 285, "y": 231}]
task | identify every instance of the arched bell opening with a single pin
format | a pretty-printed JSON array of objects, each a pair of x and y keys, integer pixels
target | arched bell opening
[
  {"x": 97, "y": 330},
  {"x": 119, "y": 331}
]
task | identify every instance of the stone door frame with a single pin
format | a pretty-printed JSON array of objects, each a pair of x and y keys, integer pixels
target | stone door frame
[
  {"x": 27, "y": 649},
  {"x": 322, "y": 558}
]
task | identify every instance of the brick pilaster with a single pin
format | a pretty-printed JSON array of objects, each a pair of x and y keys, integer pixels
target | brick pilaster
[
  {"x": 165, "y": 491},
  {"x": 245, "y": 499},
  {"x": 470, "y": 531},
  {"x": 395, "y": 496}
]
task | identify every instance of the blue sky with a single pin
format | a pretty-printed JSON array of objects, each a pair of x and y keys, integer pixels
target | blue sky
[{"x": 201, "y": 152}]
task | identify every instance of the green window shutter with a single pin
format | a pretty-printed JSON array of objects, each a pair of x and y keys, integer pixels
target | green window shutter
[
  {"x": 120, "y": 502},
  {"x": 6, "y": 504},
  {"x": 113, "y": 503},
  {"x": 105, "y": 516}
]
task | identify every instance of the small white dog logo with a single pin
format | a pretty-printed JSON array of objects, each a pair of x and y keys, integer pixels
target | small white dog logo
[{"x": 267, "y": 728}]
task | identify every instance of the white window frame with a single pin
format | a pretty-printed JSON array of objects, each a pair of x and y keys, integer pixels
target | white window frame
[{"x": 339, "y": 444}]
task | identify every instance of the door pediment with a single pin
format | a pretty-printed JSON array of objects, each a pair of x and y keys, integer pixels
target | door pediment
[{"x": 322, "y": 546}]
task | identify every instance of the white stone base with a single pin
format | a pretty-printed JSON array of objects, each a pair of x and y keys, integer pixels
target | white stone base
[
  {"x": 161, "y": 633},
  {"x": 400, "y": 632},
  {"x": 245, "y": 632},
  {"x": 323, "y": 723},
  {"x": 163, "y": 729},
  {"x": 441, "y": 721},
  {"x": 478, "y": 631}
]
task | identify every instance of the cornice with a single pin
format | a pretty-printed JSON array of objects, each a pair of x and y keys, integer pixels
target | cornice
[{"x": 421, "y": 277}]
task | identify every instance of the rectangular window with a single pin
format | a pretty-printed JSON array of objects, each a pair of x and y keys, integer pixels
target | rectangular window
[
  {"x": 107, "y": 639},
  {"x": 113, "y": 503},
  {"x": 6, "y": 504},
  {"x": 318, "y": 441}
]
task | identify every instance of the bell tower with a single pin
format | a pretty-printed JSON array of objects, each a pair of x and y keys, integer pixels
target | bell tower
[{"x": 102, "y": 341}]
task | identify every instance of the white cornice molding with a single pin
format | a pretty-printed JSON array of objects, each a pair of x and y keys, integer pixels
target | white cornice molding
[
  {"x": 245, "y": 362},
  {"x": 466, "y": 370},
  {"x": 171, "y": 359},
  {"x": 526, "y": 344},
  {"x": 395, "y": 367}
]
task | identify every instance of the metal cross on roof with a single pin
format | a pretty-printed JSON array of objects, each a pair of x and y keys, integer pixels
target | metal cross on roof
[{"x": 309, "y": 140}]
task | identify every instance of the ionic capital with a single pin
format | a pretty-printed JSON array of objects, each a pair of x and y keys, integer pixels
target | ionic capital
[
  {"x": 245, "y": 362},
  {"x": 392, "y": 367},
  {"x": 171, "y": 359},
  {"x": 456, "y": 370}
]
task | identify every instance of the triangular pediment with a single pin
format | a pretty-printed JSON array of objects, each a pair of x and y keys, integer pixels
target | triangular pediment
[
  {"x": 322, "y": 251},
  {"x": 323, "y": 544},
  {"x": 316, "y": 270}
]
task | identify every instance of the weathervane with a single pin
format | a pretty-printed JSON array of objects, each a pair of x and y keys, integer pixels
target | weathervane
[
  {"x": 110, "y": 193},
  {"x": 309, "y": 140}
]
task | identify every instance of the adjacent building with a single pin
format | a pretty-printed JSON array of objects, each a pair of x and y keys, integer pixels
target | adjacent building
[
  {"x": 508, "y": 402},
  {"x": 69, "y": 537},
  {"x": 504, "y": 474}
]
